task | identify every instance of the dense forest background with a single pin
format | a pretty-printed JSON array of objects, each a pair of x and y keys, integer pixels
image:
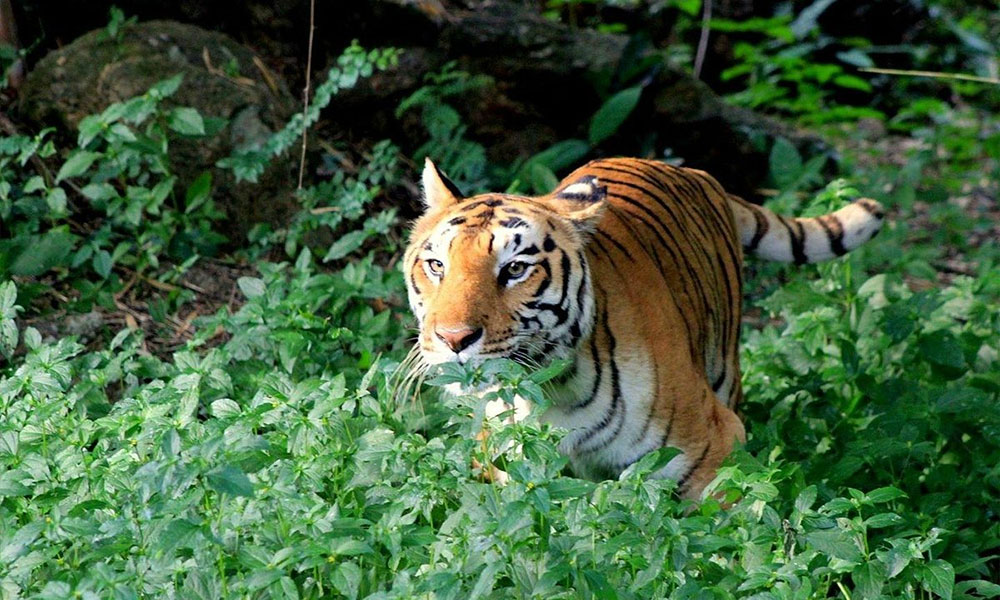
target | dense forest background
[{"x": 202, "y": 318}]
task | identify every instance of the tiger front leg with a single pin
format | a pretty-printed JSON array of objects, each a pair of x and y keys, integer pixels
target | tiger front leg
[{"x": 722, "y": 431}]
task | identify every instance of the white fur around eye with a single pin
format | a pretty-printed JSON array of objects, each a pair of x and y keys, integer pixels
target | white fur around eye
[{"x": 584, "y": 188}]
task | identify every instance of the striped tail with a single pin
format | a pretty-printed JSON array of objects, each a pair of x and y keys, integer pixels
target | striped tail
[{"x": 775, "y": 237}]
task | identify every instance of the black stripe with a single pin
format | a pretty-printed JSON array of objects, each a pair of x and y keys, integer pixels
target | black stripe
[
  {"x": 761, "y": 229},
  {"x": 617, "y": 244},
  {"x": 682, "y": 482},
  {"x": 871, "y": 207},
  {"x": 719, "y": 381},
  {"x": 513, "y": 223},
  {"x": 834, "y": 233},
  {"x": 596, "y": 243},
  {"x": 598, "y": 373},
  {"x": 670, "y": 424},
  {"x": 559, "y": 308},
  {"x": 575, "y": 331},
  {"x": 544, "y": 285},
  {"x": 645, "y": 429},
  {"x": 797, "y": 241},
  {"x": 617, "y": 406}
]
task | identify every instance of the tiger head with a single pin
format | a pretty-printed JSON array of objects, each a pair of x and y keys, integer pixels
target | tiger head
[{"x": 499, "y": 275}]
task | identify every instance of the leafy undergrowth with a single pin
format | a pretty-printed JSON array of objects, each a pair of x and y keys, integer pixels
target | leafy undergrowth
[{"x": 281, "y": 464}]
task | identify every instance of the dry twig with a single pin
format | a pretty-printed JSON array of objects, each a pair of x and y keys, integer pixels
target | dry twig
[{"x": 305, "y": 91}]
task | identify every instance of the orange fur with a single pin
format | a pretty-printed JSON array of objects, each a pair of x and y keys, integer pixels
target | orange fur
[{"x": 634, "y": 272}]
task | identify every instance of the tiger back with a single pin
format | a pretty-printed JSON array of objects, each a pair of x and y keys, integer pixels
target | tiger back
[{"x": 631, "y": 269}]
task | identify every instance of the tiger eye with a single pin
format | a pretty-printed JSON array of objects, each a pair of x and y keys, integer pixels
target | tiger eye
[
  {"x": 436, "y": 266},
  {"x": 515, "y": 269}
]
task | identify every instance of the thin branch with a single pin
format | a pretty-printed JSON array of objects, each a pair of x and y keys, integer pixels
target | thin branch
[
  {"x": 305, "y": 91},
  {"x": 706, "y": 17},
  {"x": 934, "y": 74}
]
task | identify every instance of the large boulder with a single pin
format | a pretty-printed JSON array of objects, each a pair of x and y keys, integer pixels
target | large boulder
[{"x": 221, "y": 79}]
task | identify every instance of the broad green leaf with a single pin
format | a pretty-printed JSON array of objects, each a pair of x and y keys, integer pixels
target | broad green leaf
[
  {"x": 486, "y": 581},
  {"x": 885, "y": 494},
  {"x": 852, "y": 82},
  {"x": 883, "y": 520},
  {"x": 198, "y": 192},
  {"x": 540, "y": 177},
  {"x": 77, "y": 164},
  {"x": 102, "y": 263},
  {"x": 186, "y": 121},
  {"x": 651, "y": 462},
  {"x": 349, "y": 242},
  {"x": 34, "y": 184},
  {"x": 566, "y": 487},
  {"x": 40, "y": 253},
  {"x": 261, "y": 578},
  {"x": 347, "y": 579},
  {"x": 177, "y": 534},
  {"x": 807, "y": 18},
  {"x": 938, "y": 577},
  {"x": 943, "y": 349},
  {"x": 835, "y": 542},
  {"x": 99, "y": 192},
  {"x": 8, "y": 312},
  {"x": 869, "y": 579},
  {"x": 56, "y": 201},
  {"x": 613, "y": 113},
  {"x": 252, "y": 287},
  {"x": 550, "y": 371},
  {"x": 805, "y": 499},
  {"x": 785, "y": 163},
  {"x": 10, "y": 483},
  {"x": 599, "y": 585},
  {"x": 562, "y": 154},
  {"x": 224, "y": 408},
  {"x": 897, "y": 558},
  {"x": 167, "y": 87},
  {"x": 856, "y": 57},
  {"x": 288, "y": 588},
  {"x": 986, "y": 589},
  {"x": 230, "y": 480}
]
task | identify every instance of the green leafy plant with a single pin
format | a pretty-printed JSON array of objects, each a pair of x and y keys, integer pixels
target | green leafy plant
[
  {"x": 353, "y": 64},
  {"x": 119, "y": 180},
  {"x": 464, "y": 160},
  {"x": 114, "y": 31},
  {"x": 332, "y": 206}
]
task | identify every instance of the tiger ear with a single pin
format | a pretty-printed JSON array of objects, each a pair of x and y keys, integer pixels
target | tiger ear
[
  {"x": 582, "y": 202},
  {"x": 439, "y": 191}
]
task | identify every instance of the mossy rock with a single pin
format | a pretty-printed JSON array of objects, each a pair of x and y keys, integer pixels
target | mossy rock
[{"x": 221, "y": 79}]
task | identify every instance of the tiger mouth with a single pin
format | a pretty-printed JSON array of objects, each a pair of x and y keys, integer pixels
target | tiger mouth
[{"x": 520, "y": 355}]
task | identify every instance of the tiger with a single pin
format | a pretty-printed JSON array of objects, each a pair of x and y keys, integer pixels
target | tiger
[{"x": 631, "y": 270}]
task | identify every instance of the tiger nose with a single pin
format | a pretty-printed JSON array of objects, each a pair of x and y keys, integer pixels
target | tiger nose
[{"x": 459, "y": 339}]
